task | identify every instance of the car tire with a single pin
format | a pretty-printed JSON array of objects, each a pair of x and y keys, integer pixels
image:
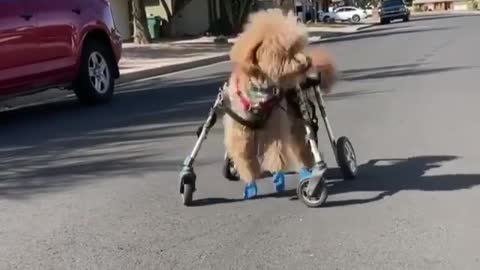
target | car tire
[
  {"x": 326, "y": 19},
  {"x": 406, "y": 18},
  {"x": 95, "y": 82},
  {"x": 355, "y": 18}
]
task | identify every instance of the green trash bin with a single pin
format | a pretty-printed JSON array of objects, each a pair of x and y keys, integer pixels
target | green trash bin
[{"x": 154, "y": 27}]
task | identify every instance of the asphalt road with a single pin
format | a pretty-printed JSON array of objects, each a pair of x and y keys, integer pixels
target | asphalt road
[{"x": 96, "y": 188}]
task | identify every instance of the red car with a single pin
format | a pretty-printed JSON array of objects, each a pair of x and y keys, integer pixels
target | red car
[{"x": 71, "y": 44}]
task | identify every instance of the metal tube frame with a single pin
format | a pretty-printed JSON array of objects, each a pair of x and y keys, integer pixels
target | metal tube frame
[
  {"x": 203, "y": 134},
  {"x": 328, "y": 127}
]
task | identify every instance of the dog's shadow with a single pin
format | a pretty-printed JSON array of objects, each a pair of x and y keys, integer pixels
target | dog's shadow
[{"x": 387, "y": 179}]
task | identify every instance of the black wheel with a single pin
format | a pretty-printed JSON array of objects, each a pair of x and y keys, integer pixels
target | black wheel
[
  {"x": 187, "y": 185},
  {"x": 326, "y": 19},
  {"x": 355, "y": 18},
  {"x": 406, "y": 18},
  {"x": 187, "y": 194},
  {"x": 347, "y": 160},
  {"x": 382, "y": 21},
  {"x": 229, "y": 171},
  {"x": 316, "y": 200},
  {"x": 95, "y": 82}
]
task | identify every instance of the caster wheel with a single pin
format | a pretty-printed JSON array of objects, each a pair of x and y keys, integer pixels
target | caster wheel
[
  {"x": 229, "y": 171},
  {"x": 187, "y": 194},
  {"x": 347, "y": 159},
  {"x": 316, "y": 200},
  {"x": 187, "y": 185}
]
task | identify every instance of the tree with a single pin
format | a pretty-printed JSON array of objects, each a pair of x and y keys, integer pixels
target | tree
[
  {"x": 285, "y": 5},
  {"x": 230, "y": 16},
  {"x": 139, "y": 18}
]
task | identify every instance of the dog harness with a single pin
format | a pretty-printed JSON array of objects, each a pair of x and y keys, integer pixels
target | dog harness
[{"x": 259, "y": 103}]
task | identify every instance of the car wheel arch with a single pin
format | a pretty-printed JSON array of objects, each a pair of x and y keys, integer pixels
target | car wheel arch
[{"x": 99, "y": 35}]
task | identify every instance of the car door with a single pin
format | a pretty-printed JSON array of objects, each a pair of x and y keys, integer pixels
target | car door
[
  {"x": 57, "y": 23},
  {"x": 339, "y": 13},
  {"x": 349, "y": 12},
  {"x": 17, "y": 46}
]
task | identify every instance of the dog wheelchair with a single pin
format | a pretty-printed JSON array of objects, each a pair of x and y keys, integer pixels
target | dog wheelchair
[{"x": 312, "y": 191}]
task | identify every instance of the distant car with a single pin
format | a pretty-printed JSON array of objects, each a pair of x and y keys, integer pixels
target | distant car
[
  {"x": 346, "y": 13},
  {"x": 393, "y": 10},
  {"x": 326, "y": 17},
  {"x": 71, "y": 44},
  {"x": 352, "y": 14}
]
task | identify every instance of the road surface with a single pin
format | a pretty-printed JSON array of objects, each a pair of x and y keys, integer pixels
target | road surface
[{"x": 96, "y": 187}]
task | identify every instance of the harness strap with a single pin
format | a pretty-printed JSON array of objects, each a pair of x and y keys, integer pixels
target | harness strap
[{"x": 258, "y": 124}]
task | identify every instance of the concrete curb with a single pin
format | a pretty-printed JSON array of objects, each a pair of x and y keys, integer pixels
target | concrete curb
[{"x": 141, "y": 74}]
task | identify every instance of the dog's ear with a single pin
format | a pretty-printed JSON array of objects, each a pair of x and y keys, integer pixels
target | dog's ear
[{"x": 244, "y": 52}]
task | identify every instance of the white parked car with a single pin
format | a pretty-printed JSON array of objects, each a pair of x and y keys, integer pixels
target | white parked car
[
  {"x": 326, "y": 16},
  {"x": 350, "y": 14}
]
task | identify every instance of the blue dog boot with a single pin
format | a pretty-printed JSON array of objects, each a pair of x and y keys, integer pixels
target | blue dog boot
[
  {"x": 250, "y": 191},
  {"x": 279, "y": 182},
  {"x": 317, "y": 171},
  {"x": 304, "y": 174}
]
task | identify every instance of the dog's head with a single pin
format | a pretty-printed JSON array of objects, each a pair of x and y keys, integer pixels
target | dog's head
[{"x": 272, "y": 47}]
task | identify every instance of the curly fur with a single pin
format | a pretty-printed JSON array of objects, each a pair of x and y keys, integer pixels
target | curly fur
[{"x": 272, "y": 51}]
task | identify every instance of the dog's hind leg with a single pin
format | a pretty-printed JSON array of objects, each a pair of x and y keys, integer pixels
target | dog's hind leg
[
  {"x": 275, "y": 139},
  {"x": 241, "y": 146}
]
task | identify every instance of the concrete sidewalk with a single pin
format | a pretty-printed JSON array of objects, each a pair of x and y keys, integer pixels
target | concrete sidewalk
[{"x": 142, "y": 61}]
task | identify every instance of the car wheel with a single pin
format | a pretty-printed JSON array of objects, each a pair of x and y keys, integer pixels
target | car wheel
[
  {"x": 96, "y": 82},
  {"x": 355, "y": 18},
  {"x": 406, "y": 18},
  {"x": 326, "y": 19}
]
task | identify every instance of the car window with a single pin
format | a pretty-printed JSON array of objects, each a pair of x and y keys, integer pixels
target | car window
[
  {"x": 391, "y": 3},
  {"x": 340, "y": 10}
]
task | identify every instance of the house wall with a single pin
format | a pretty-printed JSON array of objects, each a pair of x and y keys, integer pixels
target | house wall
[
  {"x": 121, "y": 17},
  {"x": 154, "y": 8},
  {"x": 460, "y": 6}
]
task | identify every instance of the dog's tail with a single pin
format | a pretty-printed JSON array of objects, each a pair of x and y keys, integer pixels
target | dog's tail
[{"x": 323, "y": 63}]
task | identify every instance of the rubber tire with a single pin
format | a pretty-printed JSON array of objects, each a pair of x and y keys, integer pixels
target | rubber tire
[
  {"x": 326, "y": 19},
  {"x": 356, "y": 20},
  {"x": 187, "y": 194},
  {"x": 342, "y": 160},
  {"x": 406, "y": 18},
  {"x": 83, "y": 88},
  {"x": 226, "y": 170},
  {"x": 310, "y": 204}
]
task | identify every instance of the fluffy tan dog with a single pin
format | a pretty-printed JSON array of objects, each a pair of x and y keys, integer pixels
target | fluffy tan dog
[{"x": 270, "y": 59}]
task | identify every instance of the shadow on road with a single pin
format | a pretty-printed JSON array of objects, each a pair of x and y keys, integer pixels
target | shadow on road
[
  {"x": 376, "y": 33},
  {"x": 390, "y": 72},
  {"x": 442, "y": 17},
  {"x": 50, "y": 147},
  {"x": 400, "y": 175}
]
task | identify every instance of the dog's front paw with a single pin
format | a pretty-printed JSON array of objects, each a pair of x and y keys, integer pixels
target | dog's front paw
[
  {"x": 250, "y": 191},
  {"x": 279, "y": 182}
]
